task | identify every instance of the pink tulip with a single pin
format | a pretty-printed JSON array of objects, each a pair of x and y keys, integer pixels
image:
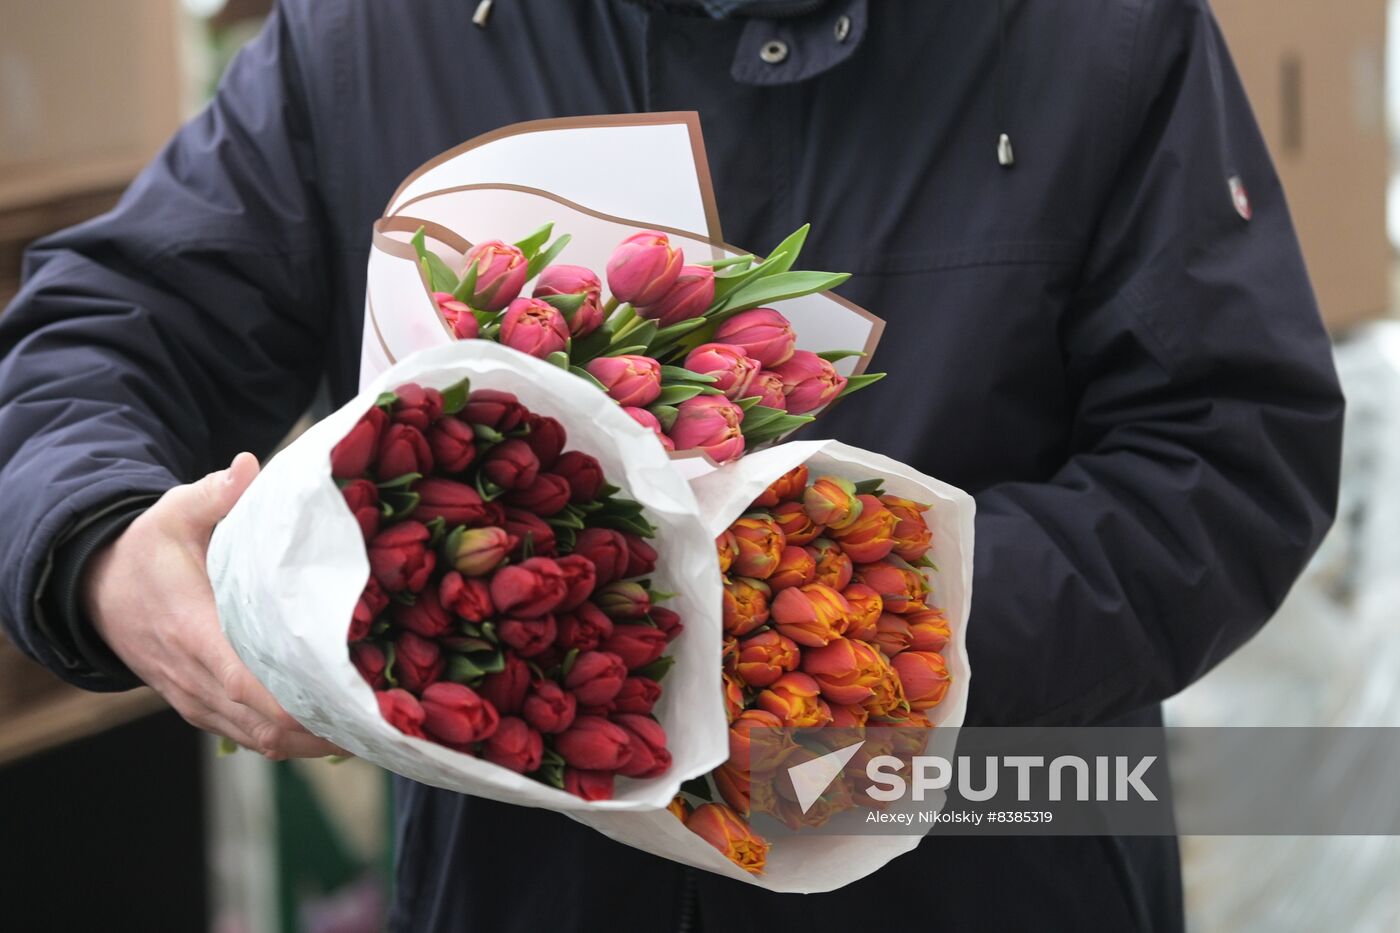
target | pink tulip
[
  {"x": 647, "y": 420},
  {"x": 768, "y": 386},
  {"x": 731, "y": 368},
  {"x": 809, "y": 382},
  {"x": 643, "y": 268},
  {"x": 709, "y": 423},
  {"x": 631, "y": 381},
  {"x": 764, "y": 334},
  {"x": 690, "y": 297},
  {"x": 574, "y": 280},
  {"x": 457, "y": 315},
  {"x": 534, "y": 327},
  {"x": 500, "y": 274}
]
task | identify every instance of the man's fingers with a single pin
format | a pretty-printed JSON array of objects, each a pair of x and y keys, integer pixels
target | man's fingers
[{"x": 201, "y": 504}]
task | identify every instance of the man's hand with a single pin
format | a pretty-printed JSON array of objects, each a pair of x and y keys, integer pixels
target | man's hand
[{"x": 148, "y": 596}]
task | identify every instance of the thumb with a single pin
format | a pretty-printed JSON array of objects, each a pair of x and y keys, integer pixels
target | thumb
[{"x": 203, "y": 503}]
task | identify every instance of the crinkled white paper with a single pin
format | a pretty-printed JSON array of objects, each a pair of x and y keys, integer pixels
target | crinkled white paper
[
  {"x": 288, "y": 565},
  {"x": 812, "y": 864}
]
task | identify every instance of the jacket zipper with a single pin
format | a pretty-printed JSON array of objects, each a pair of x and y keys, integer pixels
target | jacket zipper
[{"x": 689, "y": 907}]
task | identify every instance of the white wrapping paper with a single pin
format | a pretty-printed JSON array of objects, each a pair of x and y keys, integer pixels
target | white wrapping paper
[
  {"x": 815, "y": 863},
  {"x": 289, "y": 562}
]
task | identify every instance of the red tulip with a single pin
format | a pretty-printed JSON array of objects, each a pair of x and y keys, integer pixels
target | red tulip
[
  {"x": 574, "y": 280},
  {"x": 764, "y": 334},
  {"x": 403, "y": 449},
  {"x": 493, "y": 408},
  {"x": 456, "y": 715},
  {"x": 514, "y": 745},
  {"x": 643, "y": 268},
  {"x": 453, "y": 444},
  {"x": 583, "y": 474},
  {"x": 637, "y": 645},
  {"x": 455, "y": 503},
  {"x": 500, "y": 274},
  {"x": 547, "y": 495},
  {"x": 352, "y": 456},
  {"x": 532, "y": 588},
  {"x": 648, "y": 756},
  {"x": 373, "y": 600},
  {"x": 416, "y": 406},
  {"x": 402, "y": 711},
  {"x": 608, "y": 551},
  {"x": 467, "y": 597},
  {"x": 584, "y": 628},
  {"x": 534, "y": 327},
  {"x": 596, "y": 677},
  {"x": 511, "y": 464},
  {"x": 528, "y": 637},
  {"x": 668, "y": 621},
  {"x": 530, "y": 532},
  {"x": 370, "y": 661},
  {"x": 580, "y": 577},
  {"x": 690, "y": 296},
  {"x": 362, "y": 497},
  {"x": 426, "y": 616},
  {"x": 641, "y": 556},
  {"x": 589, "y": 785},
  {"x": 546, "y": 439},
  {"x": 506, "y": 689},
  {"x": 549, "y": 708},
  {"x": 399, "y": 557},
  {"x": 594, "y": 744},
  {"x": 638, "y": 695},
  {"x": 418, "y": 662}
]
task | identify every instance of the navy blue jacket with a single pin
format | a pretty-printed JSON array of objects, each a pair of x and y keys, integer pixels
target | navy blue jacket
[{"x": 1125, "y": 368}]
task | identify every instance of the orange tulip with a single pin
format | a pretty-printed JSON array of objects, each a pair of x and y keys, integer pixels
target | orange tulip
[
  {"x": 796, "y": 567},
  {"x": 785, "y": 488},
  {"x": 831, "y": 502},
  {"x": 760, "y": 544},
  {"x": 912, "y": 536},
  {"x": 889, "y": 698},
  {"x": 871, "y": 536},
  {"x": 928, "y": 629},
  {"x": 726, "y": 546},
  {"x": 733, "y": 784},
  {"x": 745, "y": 606},
  {"x": 834, "y": 568},
  {"x": 849, "y": 717},
  {"x": 724, "y": 829},
  {"x": 679, "y": 808},
  {"x": 846, "y": 671},
  {"x": 798, "y": 528},
  {"x": 764, "y": 657},
  {"x": 733, "y": 696},
  {"x": 903, "y": 588},
  {"x": 892, "y": 635},
  {"x": 925, "y": 677},
  {"x": 796, "y": 700},
  {"x": 811, "y": 615},
  {"x": 866, "y": 607}
]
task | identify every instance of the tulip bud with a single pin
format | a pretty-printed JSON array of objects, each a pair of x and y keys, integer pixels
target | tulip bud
[
  {"x": 809, "y": 382},
  {"x": 846, "y": 671},
  {"x": 641, "y": 556},
  {"x": 678, "y": 808},
  {"x": 889, "y": 693},
  {"x": 731, "y": 369},
  {"x": 871, "y": 536},
  {"x": 596, "y": 677},
  {"x": 647, "y": 420},
  {"x": 727, "y": 832},
  {"x": 761, "y": 545},
  {"x": 796, "y": 567},
  {"x": 457, "y": 716},
  {"x": 355, "y": 452},
  {"x": 501, "y": 270},
  {"x": 549, "y": 708},
  {"x": 594, "y": 744},
  {"x": 726, "y": 547},
  {"x": 866, "y": 607},
  {"x": 418, "y": 662},
  {"x": 638, "y": 695},
  {"x": 607, "y": 550},
  {"x": 467, "y": 597},
  {"x": 764, "y": 334},
  {"x": 426, "y": 616},
  {"x": 745, "y": 605},
  {"x": 546, "y": 439},
  {"x": 902, "y": 588},
  {"x": 668, "y": 621},
  {"x": 637, "y": 645},
  {"x": 494, "y": 409},
  {"x": 458, "y": 316},
  {"x": 834, "y": 568},
  {"x": 589, "y": 785},
  {"x": 403, "y": 449},
  {"x": 797, "y": 526},
  {"x": 832, "y": 501},
  {"x": 475, "y": 552},
  {"x": 928, "y": 629},
  {"x": 648, "y": 756},
  {"x": 733, "y": 695},
  {"x": 583, "y": 474},
  {"x": 534, "y": 327},
  {"x": 690, "y": 296},
  {"x": 373, "y": 600},
  {"x": 529, "y": 589},
  {"x": 892, "y": 635},
  {"x": 796, "y": 700},
  {"x": 402, "y": 710},
  {"x": 848, "y": 717},
  {"x": 811, "y": 615},
  {"x": 455, "y": 503},
  {"x": 623, "y": 601},
  {"x": 528, "y": 637},
  {"x": 912, "y": 536},
  {"x": 416, "y": 406},
  {"x": 767, "y": 387},
  {"x": 514, "y": 745},
  {"x": 399, "y": 557},
  {"x": 631, "y": 381},
  {"x": 786, "y": 488},
  {"x": 574, "y": 280},
  {"x": 643, "y": 268},
  {"x": 511, "y": 464},
  {"x": 527, "y": 528},
  {"x": 370, "y": 661},
  {"x": 709, "y": 423},
  {"x": 362, "y": 497},
  {"x": 580, "y": 578},
  {"x": 766, "y": 656},
  {"x": 924, "y": 676},
  {"x": 506, "y": 688},
  {"x": 584, "y": 628},
  {"x": 547, "y": 495},
  {"x": 452, "y": 443}
]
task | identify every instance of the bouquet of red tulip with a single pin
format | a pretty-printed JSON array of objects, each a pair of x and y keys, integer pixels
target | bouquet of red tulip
[
  {"x": 499, "y": 548},
  {"x": 685, "y": 349}
]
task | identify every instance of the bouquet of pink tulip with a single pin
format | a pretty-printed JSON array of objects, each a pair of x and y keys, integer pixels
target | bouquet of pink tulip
[{"x": 688, "y": 351}]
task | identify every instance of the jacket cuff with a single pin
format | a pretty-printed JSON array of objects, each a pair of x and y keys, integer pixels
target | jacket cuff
[{"x": 59, "y": 604}]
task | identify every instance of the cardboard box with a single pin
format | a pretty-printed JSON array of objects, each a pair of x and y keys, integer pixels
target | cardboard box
[{"x": 1315, "y": 74}]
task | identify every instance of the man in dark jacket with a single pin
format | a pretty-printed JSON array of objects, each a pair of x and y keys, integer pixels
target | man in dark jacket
[{"x": 1099, "y": 323}]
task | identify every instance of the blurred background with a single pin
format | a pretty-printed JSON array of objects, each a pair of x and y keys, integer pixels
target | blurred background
[{"x": 90, "y": 89}]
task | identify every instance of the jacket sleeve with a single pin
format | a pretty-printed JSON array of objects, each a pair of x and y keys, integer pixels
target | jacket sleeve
[
  {"x": 1207, "y": 427},
  {"x": 148, "y": 346}
]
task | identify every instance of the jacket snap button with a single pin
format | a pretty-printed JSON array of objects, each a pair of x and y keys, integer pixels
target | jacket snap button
[
  {"x": 773, "y": 52},
  {"x": 843, "y": 28}
]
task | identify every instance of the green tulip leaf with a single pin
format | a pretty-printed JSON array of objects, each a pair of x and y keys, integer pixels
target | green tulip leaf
[
  {"x": 538, "y": 263},
  {"x": 789, "y": 249},
  {"x": 532, "y": 243}
]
